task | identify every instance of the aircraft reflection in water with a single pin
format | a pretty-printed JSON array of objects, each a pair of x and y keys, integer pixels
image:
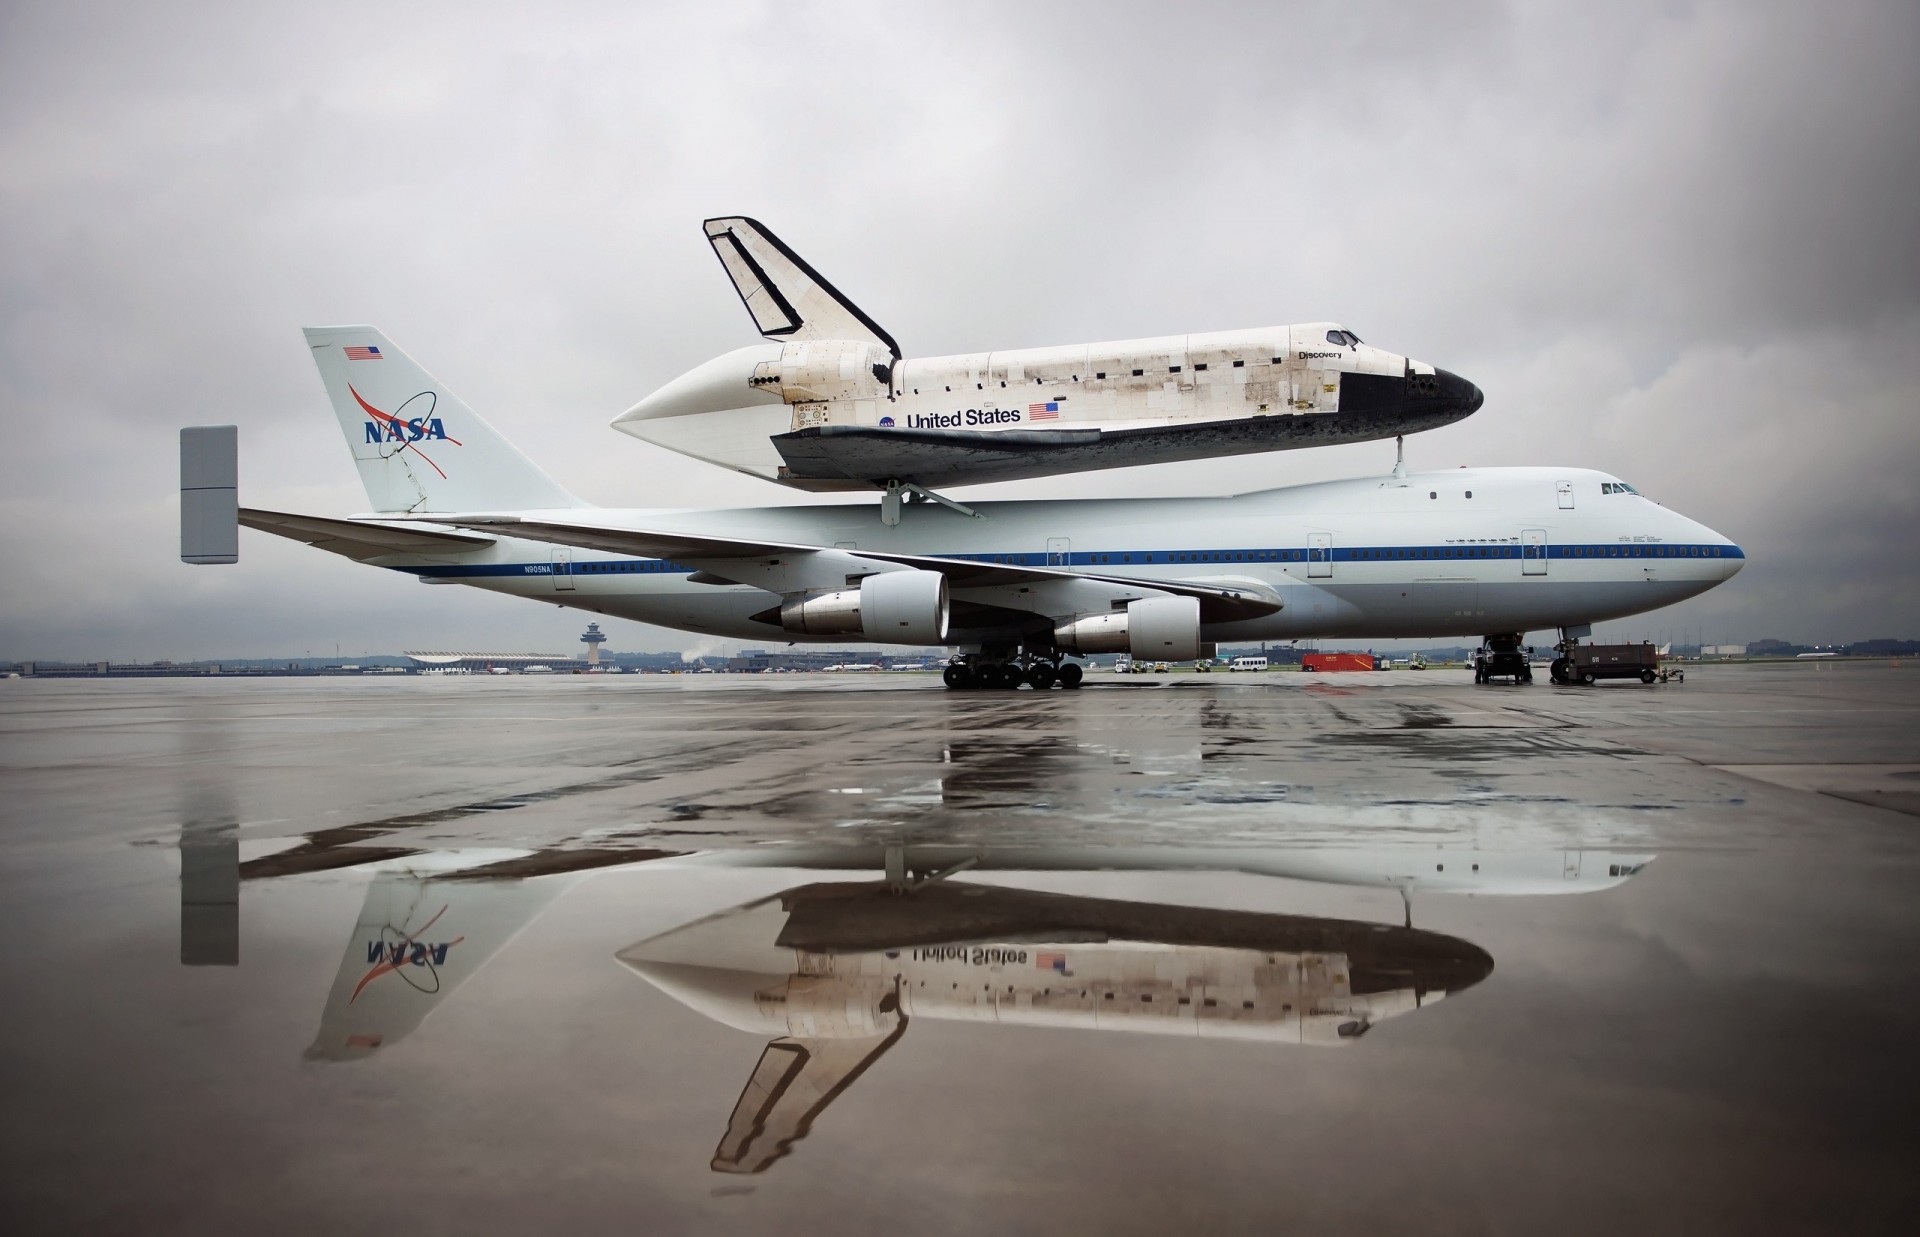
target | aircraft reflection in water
[
  {"x": 418, "y": 938},
  {"x": 833, "y": 972}
]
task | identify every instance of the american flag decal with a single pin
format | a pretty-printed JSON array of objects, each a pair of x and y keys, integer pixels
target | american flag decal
[
  {"x": 1043, "y": 412},
  {"x": 1051, "y": 962},
  {"x": 363, "y": 354}
]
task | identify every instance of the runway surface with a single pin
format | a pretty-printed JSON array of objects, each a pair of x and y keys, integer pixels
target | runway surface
[{"x": 1334, "y": 953}]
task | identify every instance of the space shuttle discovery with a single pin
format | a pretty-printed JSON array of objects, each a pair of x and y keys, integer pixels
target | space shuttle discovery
[
  {"x": 831, "y": 404},
  {"x": 834, "y": 973}
]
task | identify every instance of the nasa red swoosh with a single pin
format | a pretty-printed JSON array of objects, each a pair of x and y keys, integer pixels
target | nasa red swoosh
[
  {"x": 398, "y": 426},
  {"x": 383, "y": 967}
]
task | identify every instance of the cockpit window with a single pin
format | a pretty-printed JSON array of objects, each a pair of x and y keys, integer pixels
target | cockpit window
[
  {"x": 1617, "y": 487},
  {"x": 1346, "y": 339}
]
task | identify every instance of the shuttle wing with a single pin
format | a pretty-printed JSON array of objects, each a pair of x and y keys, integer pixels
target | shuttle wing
[
  {"x": 356, "y": 538},
  {"x": 793, "y": 1082},
  {"x": 782, "y": 566},
  {"x": 787, "y": 298}
]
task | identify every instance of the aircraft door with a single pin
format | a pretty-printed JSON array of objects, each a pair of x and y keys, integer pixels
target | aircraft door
[
  {"x": 1533, "y": 551},
  {"x": 563, "y": 568},
  {"x": 1059, "y": 552},
  {"x": 1320, "y": 556},
  {"x": 1563, "y": 490}
]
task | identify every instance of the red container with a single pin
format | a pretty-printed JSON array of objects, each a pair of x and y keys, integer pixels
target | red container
[{"x": 1336, "y": 661}]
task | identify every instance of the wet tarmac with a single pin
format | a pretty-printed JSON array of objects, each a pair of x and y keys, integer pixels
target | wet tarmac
[{"x": 1264, "y": 952}]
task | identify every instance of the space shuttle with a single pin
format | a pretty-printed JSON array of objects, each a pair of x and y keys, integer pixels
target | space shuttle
[
  {"x": 831, "y": 404},
  {"x": 833, "y": 973}
]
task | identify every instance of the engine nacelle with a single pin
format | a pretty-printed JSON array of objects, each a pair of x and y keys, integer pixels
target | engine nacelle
[
  {"x": 893, "y": 607},
  {"x": 1159, "y": 628}
]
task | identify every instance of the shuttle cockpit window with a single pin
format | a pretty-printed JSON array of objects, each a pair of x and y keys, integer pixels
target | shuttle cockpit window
[{"x": 1346, "y": 339}]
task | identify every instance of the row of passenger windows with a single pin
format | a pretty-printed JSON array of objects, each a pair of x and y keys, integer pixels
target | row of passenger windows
[
  {"x": 646, "y": 565},
  {"x": 1255, "y": 556}
]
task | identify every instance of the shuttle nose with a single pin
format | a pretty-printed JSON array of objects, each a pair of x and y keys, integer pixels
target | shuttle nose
[{"x": 1461, "y": 397}]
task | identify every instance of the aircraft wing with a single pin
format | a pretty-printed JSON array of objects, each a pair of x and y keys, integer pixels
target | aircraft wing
[
  {"x": 359, "y": 539},
  {"x": 786, "y": 566},
  {"x": 787, "y": 298}
]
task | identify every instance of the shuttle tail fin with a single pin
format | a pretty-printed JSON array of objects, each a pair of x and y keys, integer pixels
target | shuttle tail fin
[
  {"x": 788, "y": 299},
  {"x": 418, "y": 446},
  {"x": 793, "y": 1082}
]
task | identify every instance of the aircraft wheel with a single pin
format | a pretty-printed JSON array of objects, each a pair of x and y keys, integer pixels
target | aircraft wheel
[
  {"x": 957, "y": 677},
  {"x": 1012, "y": 676},
  {"x": 986, "y": 676},
  {"x": 1070, "y": 675},
  {"x": 1558, "y": 670},
  {"x": 1646, "y": 676},
  {"x": 1586, "y": 680},
  {"x": 1040, "y": 676}
]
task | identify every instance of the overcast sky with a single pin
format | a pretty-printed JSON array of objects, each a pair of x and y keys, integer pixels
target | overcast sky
[{"x": 1673, "y": 241}]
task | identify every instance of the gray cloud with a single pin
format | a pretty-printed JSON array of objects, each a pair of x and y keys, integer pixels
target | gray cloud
[{"x": 1673, "y": 241}]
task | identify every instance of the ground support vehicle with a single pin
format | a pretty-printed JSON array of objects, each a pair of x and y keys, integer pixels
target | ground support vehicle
[
  {"x": 1501, "y": 657},
  {"x": 1589, "y": 663}
]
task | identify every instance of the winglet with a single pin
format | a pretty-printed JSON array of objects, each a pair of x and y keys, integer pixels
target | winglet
[{"x": 788, "y": 299}]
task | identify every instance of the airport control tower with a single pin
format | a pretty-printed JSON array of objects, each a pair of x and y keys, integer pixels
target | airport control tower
[{"x": 593, "y": 638}]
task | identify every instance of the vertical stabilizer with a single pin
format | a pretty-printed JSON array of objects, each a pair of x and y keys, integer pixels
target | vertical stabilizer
[
  {"x": 788, "y": 299},
  {"x": 418, "y": 446},
  {"x": 417, "y": 939}
]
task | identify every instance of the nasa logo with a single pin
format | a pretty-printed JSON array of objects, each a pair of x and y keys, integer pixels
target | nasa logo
[
  {"x": 886, "y": 423},
  {"x": 388, "y": 957},
  {"x": 409, "y": 953},
  {"x": 388, "y": 428}
]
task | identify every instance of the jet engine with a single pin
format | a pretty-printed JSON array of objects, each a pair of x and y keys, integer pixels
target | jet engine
[
  {"x": 894, "y": 607},
  {"x": 1161, "y": 628}
]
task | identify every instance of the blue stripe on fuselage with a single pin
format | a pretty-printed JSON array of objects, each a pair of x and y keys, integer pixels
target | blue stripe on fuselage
[{"x": 1107, "y": 560}]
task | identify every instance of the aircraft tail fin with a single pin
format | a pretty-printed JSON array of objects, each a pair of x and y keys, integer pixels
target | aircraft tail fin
[
  {"x": 416, "y": 940},
  {"x": 793, "y": 1082},
  {"x": 418, "y": 446},
  {"x": 788, "y": 299}
]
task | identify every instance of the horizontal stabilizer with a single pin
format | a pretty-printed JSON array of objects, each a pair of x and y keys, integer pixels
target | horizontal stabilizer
[
  {"x": 357, "y": 539},
  {"x": 787, "y": 298}
]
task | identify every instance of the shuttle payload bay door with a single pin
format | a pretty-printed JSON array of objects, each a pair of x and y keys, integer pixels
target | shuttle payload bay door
[
  {"x": 1533, "y": 551},
  {"x": 563, "y": 568},
  {"x": 1319, "y": 556}
]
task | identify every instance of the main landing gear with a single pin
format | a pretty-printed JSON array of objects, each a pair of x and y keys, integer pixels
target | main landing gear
[{"x": 1039, "y": 673}]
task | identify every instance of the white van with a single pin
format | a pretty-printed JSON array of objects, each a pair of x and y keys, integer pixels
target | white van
[{"x": 1248, "y": 663}]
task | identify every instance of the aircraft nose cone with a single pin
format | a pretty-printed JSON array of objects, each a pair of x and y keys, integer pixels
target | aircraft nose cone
[{"x": 1463, "y": 398}]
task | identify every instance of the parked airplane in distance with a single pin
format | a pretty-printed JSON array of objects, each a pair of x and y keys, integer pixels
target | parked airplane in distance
[
  {"x": 832, "y": 405},
  {"x": 1017, "y": 586}
]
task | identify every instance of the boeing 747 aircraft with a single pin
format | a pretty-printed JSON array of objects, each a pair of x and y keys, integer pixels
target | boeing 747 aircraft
[
  {"x": 831, "y": 404},
  {"x": 1016, "y": 587}
]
